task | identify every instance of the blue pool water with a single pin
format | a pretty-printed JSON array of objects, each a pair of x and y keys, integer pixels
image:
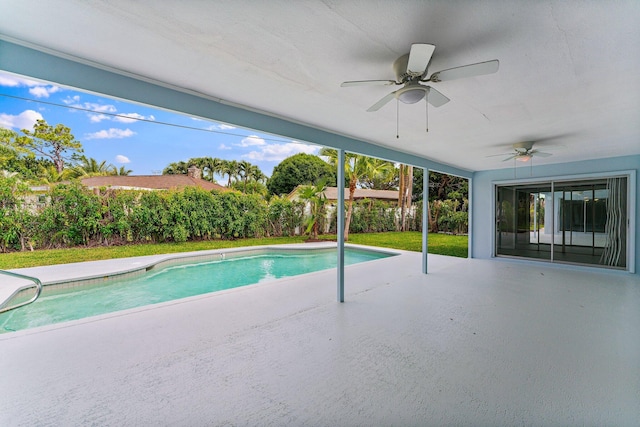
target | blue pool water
[{"x": 170, "y": 283}]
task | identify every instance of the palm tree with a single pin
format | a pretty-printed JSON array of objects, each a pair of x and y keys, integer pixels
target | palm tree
[
  {"x": 255, "y": 174},
  {"x": 88, "y": 166},
  {"x": 314, "y": 194},
  {"x": 50, "y": 174},
  {"x": 122, "y": 171},
  {"x": 214, "y": 165},
  {"x": 244, "y": 169},
  {"x": 405, "y": 191},
  {"x": 249, "y": 173},
  {"x": 356, "y": 168},
  {"x": 230, "y": 168},
  {"x": 176, "y": 168}
]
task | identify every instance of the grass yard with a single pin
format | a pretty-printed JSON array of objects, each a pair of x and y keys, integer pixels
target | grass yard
[
  {"x": 441, "y": 244},
  {"x": 411, "y": 241}
]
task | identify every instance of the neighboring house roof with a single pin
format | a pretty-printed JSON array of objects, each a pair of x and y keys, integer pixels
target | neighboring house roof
[
  {"x": 149, "y": 182},
  {"x": 331, "y": 193}
]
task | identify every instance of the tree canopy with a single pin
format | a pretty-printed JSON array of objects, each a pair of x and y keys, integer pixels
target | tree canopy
[
  {"x": 300, "y": 169},
  {"x": 56, "y": 143},
  {"x": 357, "y": 168},
  {"x": 8, "y": 150}
]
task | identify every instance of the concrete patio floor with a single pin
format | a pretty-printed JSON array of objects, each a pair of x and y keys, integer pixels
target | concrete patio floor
[{"x": 474, "y": 342}]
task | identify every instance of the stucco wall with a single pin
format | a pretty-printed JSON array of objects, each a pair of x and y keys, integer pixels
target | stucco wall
[{"x": 482, "y": 195}]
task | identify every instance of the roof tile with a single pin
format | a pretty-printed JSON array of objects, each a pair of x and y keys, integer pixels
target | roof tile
[{"x": 150, "y": 182}]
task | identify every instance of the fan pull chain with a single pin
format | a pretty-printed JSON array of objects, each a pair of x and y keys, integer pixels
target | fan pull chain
[
  {"x": 426, "y": 103},
  {"x": 531, "y": 167},
  {"x": 397, "y": 118}
]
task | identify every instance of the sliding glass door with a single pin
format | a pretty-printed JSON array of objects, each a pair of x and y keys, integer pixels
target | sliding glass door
[
  {"x": 578, "y": 222},
  {"x": 520, "y": 221}
]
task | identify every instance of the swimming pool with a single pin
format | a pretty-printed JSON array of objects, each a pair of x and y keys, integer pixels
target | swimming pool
[{"x": 175, "y": 279}]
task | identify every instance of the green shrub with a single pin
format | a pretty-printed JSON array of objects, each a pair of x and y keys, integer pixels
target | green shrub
[
  {"x": 72, "y": 216},
  {"x": 284, "y": 216},
  {"x": 371, "y": 216}
]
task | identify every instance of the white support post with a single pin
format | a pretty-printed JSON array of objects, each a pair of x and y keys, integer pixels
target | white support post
[
  {"x": 470, "y": 220},
  {"x": 425, "y": 218},
  {"x": 340, "y": 225}
]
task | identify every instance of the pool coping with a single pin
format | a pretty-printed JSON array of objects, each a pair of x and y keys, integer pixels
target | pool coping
[{"x": 70, "y": 275}]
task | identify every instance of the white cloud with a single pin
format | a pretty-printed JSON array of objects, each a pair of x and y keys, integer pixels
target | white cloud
[
  {"x": 112, "y": 133},
  {"x": 251, "y": 141},
  {"x": 100, "y": 108},
  {"x": 224, "y": 147},
  {"x": 43, "y": 91},
  {"x": 132, "y": 117},
  {"x": 216, "y": 126},
  {"x": 279, "y": 152},
  {"x": 72, "y": 100},
  {"x": 97, "y": 118},
  {"x": 15, "y": 81},
  {"x": 24, "y": 120},
  {"x": 100, "y": 112},
  {"x": 122, "y": 159},
  {"x": 37, "y": 89},
  {"x": 9, "y": 81}
]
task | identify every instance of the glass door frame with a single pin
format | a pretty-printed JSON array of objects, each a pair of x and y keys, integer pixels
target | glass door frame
[{"x": 552, "y": 181}]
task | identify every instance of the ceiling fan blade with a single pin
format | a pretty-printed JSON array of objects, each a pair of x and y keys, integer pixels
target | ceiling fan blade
[
  {"x": 435, "y": 98},
  {"x": 419, "y": 58},
  {"x": 471, "y": 70},
  {"x": 368, "y": 83},
  {"x": 511, "y": 157},
  {"x": 378, "y": 105},
  {"x": 540, "y": 153},
  {"x": 500, "y": 155}
]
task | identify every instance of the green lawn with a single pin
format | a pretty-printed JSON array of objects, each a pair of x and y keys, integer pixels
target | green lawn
[
  {"x": 442, "y": 244},
  {"x": 411, "y": 241}
]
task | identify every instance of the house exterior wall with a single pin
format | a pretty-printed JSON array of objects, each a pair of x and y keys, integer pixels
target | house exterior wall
[{"x": 482, "y": 200}]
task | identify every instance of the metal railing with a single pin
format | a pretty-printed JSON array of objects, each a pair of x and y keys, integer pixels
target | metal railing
[{"x": 37, "y": 283}]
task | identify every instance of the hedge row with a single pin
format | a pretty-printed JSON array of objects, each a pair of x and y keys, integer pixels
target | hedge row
[
  {"x": 71, "y": 215},
  {"x": 377, "y": 216}
]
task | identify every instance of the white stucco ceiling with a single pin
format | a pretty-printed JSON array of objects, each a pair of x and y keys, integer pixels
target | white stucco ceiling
[{"x": 569, "y": 70}]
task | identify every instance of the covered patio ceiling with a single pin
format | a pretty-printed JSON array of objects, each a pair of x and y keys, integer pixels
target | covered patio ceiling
[{"x": 569, "y": 72}]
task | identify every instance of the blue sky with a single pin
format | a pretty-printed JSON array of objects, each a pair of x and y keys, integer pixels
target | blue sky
[{"x": 111, "y": 129}]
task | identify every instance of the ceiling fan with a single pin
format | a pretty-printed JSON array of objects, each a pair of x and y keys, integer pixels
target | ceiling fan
[
  {"x": 522, "y": 152},
  {"x": 412, "y": 70}
]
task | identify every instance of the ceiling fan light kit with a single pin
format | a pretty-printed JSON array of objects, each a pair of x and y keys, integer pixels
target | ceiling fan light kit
[
  {"x": 411, "y": 95},
  {"x": 523, "y": 158}
]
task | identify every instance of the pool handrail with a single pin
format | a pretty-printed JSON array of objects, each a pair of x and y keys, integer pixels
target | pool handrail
[{"x": 38, "y": 286}]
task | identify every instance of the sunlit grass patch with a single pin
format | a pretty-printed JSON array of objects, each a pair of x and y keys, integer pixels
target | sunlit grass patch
[{"x": 442, "y": 244}]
